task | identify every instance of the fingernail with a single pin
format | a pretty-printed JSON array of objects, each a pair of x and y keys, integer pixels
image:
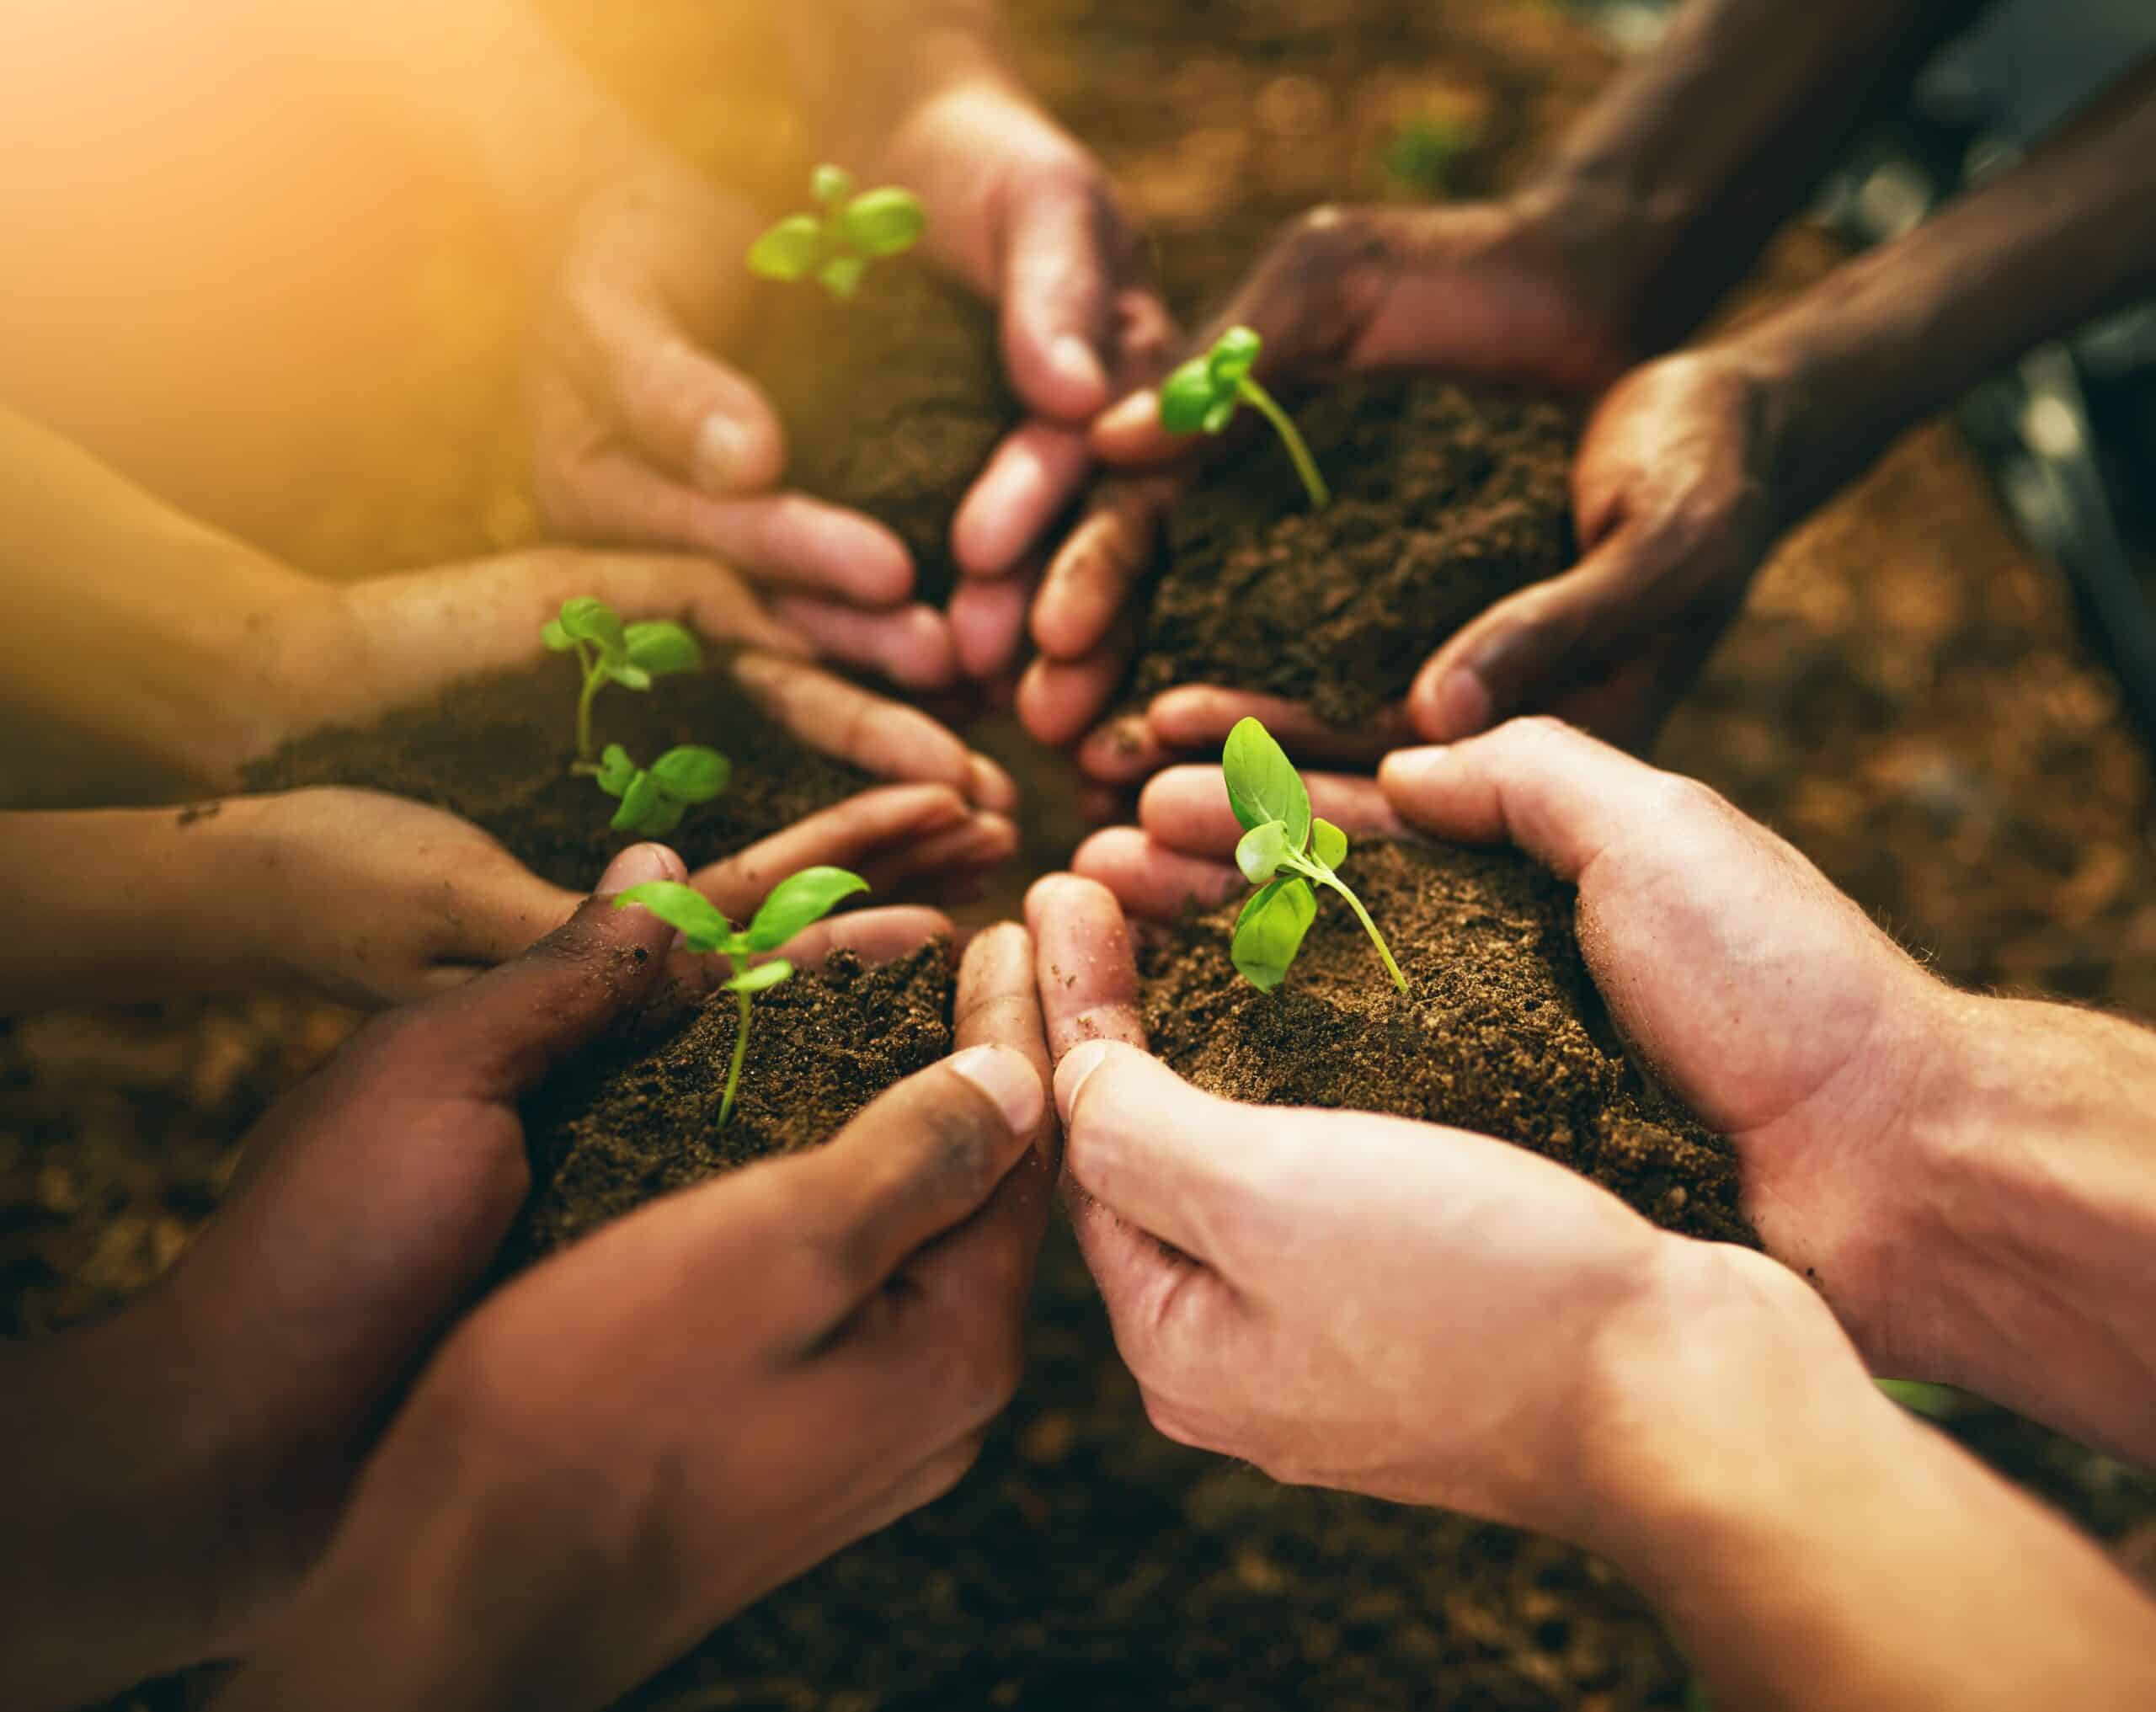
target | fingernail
[
  {"x": 992, "y": 787},
  {"x": 1075, "y": 360},
  {"x": 720, "y": 451},
  {"x": 1463, "y": 704},
  {"x": 639, "y": 864},
  {"x": 1078, "y": 1064},
  {"x": 1414, "y": 768},
  {"x": 1008, "y": 1080}
]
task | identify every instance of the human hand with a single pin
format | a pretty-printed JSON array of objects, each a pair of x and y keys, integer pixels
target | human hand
[
  {"x": 1706, "y": 935},
  {"x": 641, "y": 435},
  {"x": 647, "y": 1433},
  {"x": 1487, "y": 292}
]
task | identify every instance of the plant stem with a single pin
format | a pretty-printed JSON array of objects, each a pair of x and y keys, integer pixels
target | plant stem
[
  {"x": 593, "y": 678},
  {"x": 740, "y": 1050},
  {"x": 1305, "y": 465},
  {"x": 1325, "y": 876}
]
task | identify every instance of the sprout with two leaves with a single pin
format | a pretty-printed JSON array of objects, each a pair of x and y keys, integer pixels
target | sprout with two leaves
[
  {"x": 609, "y": 652},
  {"x": 1286, "y": 850},
  {"x": 654, "y": 798},
  {"x": 793, "y": 905},
  {"x": 835, "y": 246},
  {"x": 1202, "y": 396}
]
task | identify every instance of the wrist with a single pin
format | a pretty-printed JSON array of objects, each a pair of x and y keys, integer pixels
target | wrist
[{"x": 1609, "y": 240}]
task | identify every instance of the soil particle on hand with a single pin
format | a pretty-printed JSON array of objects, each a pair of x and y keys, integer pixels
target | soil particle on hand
[
  {"x": 893, "y": 401},
  {"x": 1501, "y": 1031},
  {"x": 497, "y": 750},
  {"x": 637, "y": 1116},
  {"x": 1443, "y": 503}
]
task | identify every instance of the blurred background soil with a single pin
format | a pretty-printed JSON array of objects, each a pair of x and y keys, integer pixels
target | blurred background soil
[{"x": 1905, "y": 697}]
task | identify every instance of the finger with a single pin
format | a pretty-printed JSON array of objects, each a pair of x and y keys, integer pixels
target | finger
[
  {"x": 876, "y": 734},
  {"x": 912, "y": 646},
  {"x": 952, "y": 865},
  {"x": 1130, "y": 435},
  {"x": 689, "y": 412},
  {"x": 848, "y": 835},
  {"x": 1186, "y": 808},
  {"x": 1124, "y": 751},
  {"x": 494, "y": 909},
  {"x": 1090, "y": 576},
  {"x": 918, "y": 1162},
  {"x": 1559, "y": 794},
  {"x": 874, "y": 936},
  {"x": 492, "y": 1037},
  {"x": 1151, "y": 880},
  {"x": 988, "y": 622},
  {"x": 998, "y": 1003},
  {"x": 1056, "y": 295},
  {"x": 1058, "y": 700},
  {"x": 786, "y": 540},
  {"x": 1087, "y": 975},
  {"x": 1032, "y": 476},
  {"x": 1200, "y": 717}
]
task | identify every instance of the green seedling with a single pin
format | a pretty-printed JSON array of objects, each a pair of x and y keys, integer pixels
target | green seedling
[
  {"x": 610, "y": 652},
  {"x": 835, "y": 247},
  {"x": 1287, "y": 851},
  {"x": 1424, "y": 153},
  {"x": 794, "y": 904},
  {"x": 654, "y": 798},
  {"x": 1202, "y": 396}
]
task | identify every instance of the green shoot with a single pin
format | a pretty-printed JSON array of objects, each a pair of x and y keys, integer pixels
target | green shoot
[
  {"x": 1424, "y": 154},
  {"x": 654, "y": 798},
  {"x": 835, "y": 246},
  {"x": 1285, "y": 850},
  {"x": 1201, "y": 396},
  {"x": 794, "y": 904},
  {"x": 609, "y": 652}
]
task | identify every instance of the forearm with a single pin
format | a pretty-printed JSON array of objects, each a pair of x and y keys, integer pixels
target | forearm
[
  {"x": 1665, "y": 193},
  {"x": 1814, "y": 1548},
  {"x": 133, "y": 623}
]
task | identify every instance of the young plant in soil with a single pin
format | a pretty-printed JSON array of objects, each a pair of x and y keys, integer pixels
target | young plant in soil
[
  {"x": 835, "y": 246},
  {"x": 1287, "y": 851},
  {"x": 654, "y": 798},
  {"x": 609, "y": 652},
  {"x": 794, "y": 904},
  {"x": 1202, "y": 396}
]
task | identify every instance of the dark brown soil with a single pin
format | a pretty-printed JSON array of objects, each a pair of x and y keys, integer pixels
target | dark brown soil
[
  {"x": 1501, "y": 1031},
  {"x": 637, "y": 1117},
  {"x": 1443, "y": 502},
  {"x": 497, "y": 749},
  {"x": 892, "y": 402}
]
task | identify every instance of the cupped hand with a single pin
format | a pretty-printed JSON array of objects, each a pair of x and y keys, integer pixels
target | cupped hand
[
  {"x": 641, "y": 435},
  {"x": 1745, "y": 982},
  {"x": 649, "y": 1431},
  {"x": 1477, "y": 292}
]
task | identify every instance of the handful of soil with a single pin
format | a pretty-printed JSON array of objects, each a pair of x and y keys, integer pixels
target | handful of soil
[
  {"x": 1501, "y": 1031},
  {"x": 497, "y": 749},
  {"x": 1443, "y": 503},
  {"x": 893, "y": 401},
  {"x": 635, "y": 1117}
]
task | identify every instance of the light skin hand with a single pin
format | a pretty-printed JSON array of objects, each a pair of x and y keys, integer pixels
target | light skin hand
[{"x": 795, "y": 1356}]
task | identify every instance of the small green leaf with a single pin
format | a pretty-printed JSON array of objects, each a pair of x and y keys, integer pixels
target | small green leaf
[
  {"x": 1263, "y": 784},
  {"x": 1220, "y": 415},
  {"x": 585, "y": 619},
  {"x": 1188, "y": 397},
  {"x": 556, "y": 638},
  {"x": 799, "y": 901},
  {"x": 693, "y": 773},
  {"x": 628, "y": 676},
  {"x": 829, "y": 184},
  {"x": 790, "y": 250},
  {"x": 663, "y": 818},
  {"x": 662, "y": 646},
  {"x": 639, "y": 797},
  {"x": 1271, "y": 930},
  {"x": 1328, "y": 843},
  {"x": 1233, "y": 355},
  {"x": 762, "y": 978},
  {"x": 886, "y": 222},
  {"x": 1259, "y": 854},
  {"x": 701, "y": 924},
  {"x": 841, "y": 275},
  {"x": 616, "y": 770}
]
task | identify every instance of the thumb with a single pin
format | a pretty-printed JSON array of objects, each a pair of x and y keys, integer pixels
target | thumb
[
  {"x": 688, "y": 412},
  {"x": 1056, "y": 298},
  {"x": 496, "y": 1035}
]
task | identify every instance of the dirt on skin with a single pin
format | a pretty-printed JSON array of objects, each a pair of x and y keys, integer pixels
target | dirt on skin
[
  {"x": 1500, "y": 1032},
  {"x": 637, "y": 1116},
  {"x": 497, "y": 750},
  {"x": 892, "y": 401},
  {"x": 1443, "y": 502}
]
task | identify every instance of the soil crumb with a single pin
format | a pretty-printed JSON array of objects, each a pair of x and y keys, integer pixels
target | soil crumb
[
  {"x": 892, "y": 401},
  {"x": 496, "y": 749},
  {"x": 637, "y": 1116},
  {"x": 1443, "y": 502},
  {"x": 1502, "y": 1031}
]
